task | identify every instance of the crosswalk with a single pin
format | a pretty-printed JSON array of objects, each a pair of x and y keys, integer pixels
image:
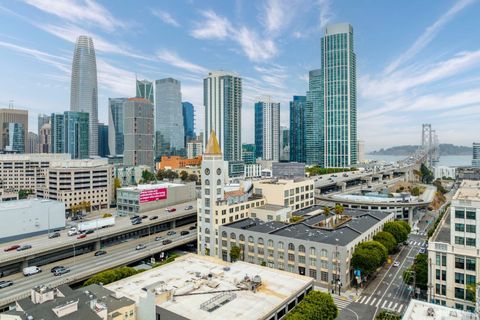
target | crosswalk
[
  {"x": 382, "y": 303},
  {"x": 340, "y": 302},
  {"x": 417, "y": 243}
]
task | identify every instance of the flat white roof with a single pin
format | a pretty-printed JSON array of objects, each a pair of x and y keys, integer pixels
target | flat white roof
[
  {"x": 360, "y": 198},
  {"x": 188, "y": 275},
  {"x": 151, "y": 186},
  {"x": 424, "y": 310},
  {"x": 27, "y": 203}
]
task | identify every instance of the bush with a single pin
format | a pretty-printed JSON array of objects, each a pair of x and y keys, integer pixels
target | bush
[
  {"x": 387, "y": 239},
  {"x": 415, "y": 191},
  {"x": 397, "y": 230},
  {"x": 315, "y": 306},
  {"x": 388, "y": 315},
  {"x": 107, "y": 215},
  {"x": 294, "y": 219},
  {"x": 112, "y": 275}
]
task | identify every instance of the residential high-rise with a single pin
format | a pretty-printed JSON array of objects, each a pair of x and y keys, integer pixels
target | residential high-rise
[
  {"x": 339, "y": 96},
  {"x": 32, "y": 143},
  {"x": 138, "y": 132},
  {"x": 45, "y": 138},
  {"x": 115, "y": 125},
  {"x": 267, "y": 129},
  {"x": 84, "y": 88},
  {"x": 70, "y": 134},
  {"x": 314, "y": 120},
  {"x": 188, "y": 121},
  {"x": 223, "y": 105},
  {"x": 476, "y": 154},
  {"x": 42, "y": 119},
  {"x": 284, "y": 143},
  {"x": 169, "y": 115},
  {"x": 249, "y": 153},
  {"x": 360, "y": 151},
  {"x": 14, "y": 126},
  {"x": 297, "y": 128},
  {"x": 144, "y": 89},
  {"x": 103, "y": 150}
]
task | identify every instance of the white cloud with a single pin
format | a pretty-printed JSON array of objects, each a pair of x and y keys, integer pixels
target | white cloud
[
  {"x": 277, "y": 14},
  {"x": 274, "y": 75},
  {"x": 428, "y": 35},
  {"x": 325, "y": 12},
  {"x": 254, "y": 47},
  {"x": 116, "y": 79},
  {"x": 86, "y": 11},
  {"x": 165, "y": 17},
  {"x": 213, "y": 26},
  {"x": 173, "y": 59}
]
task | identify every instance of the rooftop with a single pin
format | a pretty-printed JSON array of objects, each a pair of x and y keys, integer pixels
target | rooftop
[
  {"x": 28, "y": 203},
  {"x": 423, "y": 310},
  {"x": 468, "y": 190},
  {"x": 197, "y": 281},
  {"x": 141, "y": 187},
  {"x": 79, "y": 163},
  {"x": 374, "y": 198},
  {"x": 443, "y": 232}
]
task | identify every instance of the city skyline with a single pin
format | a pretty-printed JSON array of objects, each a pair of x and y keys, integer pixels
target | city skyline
[{"x": 407, "y": 74}]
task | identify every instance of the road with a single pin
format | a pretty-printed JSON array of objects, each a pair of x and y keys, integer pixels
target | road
[
  {"x": 42, "y": 242},
  {"x": 87, "y": 264}
]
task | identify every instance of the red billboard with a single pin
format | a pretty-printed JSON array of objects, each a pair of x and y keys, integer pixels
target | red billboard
[{"x": 153, "y": 195}]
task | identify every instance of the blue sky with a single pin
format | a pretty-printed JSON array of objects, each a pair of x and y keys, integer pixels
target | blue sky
[{"x": 417, "y": 61}]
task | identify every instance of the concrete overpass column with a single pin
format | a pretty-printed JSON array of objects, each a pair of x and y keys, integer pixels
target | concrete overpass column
[
  {"x": 97, "y": 245},
  {"x": 24, "y": 263},
  {"x": 344, "y": 186},
  {"x": 410, "y": 216}
]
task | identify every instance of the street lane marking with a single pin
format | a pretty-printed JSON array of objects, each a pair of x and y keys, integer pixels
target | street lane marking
[
  {"x": 395, "y": 305},
  {"x": 378, "y": 303},
  {"x": 373, "y": 301},
  {"x": 390, "y": 304},
  {"x": 383, "y": 304},
  {"x": 366, "y": 302},
  {"x": 363, "y": 298},
  {"x": 400, "y": 308}
]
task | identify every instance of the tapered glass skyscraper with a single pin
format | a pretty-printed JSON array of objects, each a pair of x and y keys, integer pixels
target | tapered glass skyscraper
[
  {"x": 339, "y": 110},
  {"x": 314, "y": 120},
  {"x": 297, "y": 128},
  {"x": 84, "y": 88}
]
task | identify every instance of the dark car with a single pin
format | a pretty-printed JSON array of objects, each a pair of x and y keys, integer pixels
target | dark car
[
  {"x": 11, "y": 248},
  {"x": 192, "y": 228},
  {"x": 166, "y": 241},
  {"x": 134, "y": 217},
  {"x": 188, "y": 208},
  {"x": 61, "y": 271},
  {"x": 184, "y": 232},
  {"x": 100, "y": 253},
  {"x": 88, "y": 231},
  {"x": 144, "y": 217},
  {"x": 4, "y": 284},
  {"x": 171, "y": 233},
  {"x": 153, "y": 218},
  {"x": 54, "y": 269},
  {"x": 24, "y": 247},
  {"x": 54, "y": 235},
  {"x": 136, "y": 221},
  {"x": 405, "y": 243}
]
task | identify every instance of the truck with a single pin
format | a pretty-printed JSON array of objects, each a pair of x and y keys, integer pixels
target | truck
[
  {"x": 96, "y": 224},
  {"x": 28, "y": 271}
]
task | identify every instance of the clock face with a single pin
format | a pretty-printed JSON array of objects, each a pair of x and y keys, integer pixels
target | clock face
[
  {"x": 219, "y": 171},
  {"x": 207, "y": 171}
]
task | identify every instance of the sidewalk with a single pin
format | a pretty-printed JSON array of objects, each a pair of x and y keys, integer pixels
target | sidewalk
[{"x": 350, "y": 295}]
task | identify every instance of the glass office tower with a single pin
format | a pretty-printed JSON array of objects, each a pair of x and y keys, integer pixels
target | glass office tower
[
  {"x": 314, "y": 120},
  {"x": 297, "y": 128}
]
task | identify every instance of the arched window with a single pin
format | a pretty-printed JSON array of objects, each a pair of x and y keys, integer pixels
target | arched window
[
  {"x": 241, "y": 237},
  {"x": 250, "y": 239},
  {"x": 207, "y": 231},
  {"x": 260, "y": 240},
  {"x": 291, "y": 246},
  {"x": 224, "y": 234},
  {"x": 232, "y": 236},
  {"x": 324, "y": 253},
  {"x": 312, "y": 251},
  {"x": 270, "y": 243},
  {"x": 280, "y": 245},
  {"x": 219, "y": 182},
  {"x": 301, "y": 248}
]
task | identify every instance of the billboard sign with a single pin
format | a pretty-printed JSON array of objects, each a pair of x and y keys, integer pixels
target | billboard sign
[{"x": 153, "y": 195}]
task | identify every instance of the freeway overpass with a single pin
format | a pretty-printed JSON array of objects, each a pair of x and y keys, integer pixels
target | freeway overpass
[{"x": 84, "y": 266}]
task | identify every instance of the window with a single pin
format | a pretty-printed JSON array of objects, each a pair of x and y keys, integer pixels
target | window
[
  {"x": 232, "y": 236},
  {"x": 224, "y": 234},
  {"x": 301, "y": 259},
  {"x": 459, "y": 214},
  {"x": 291, "y": 257},
  {"x": 207, "y": 231},
  {"x": 301, "y": 248},
  {"x": 323, "y": 264},
  {"x": 280, "y": 245},
  {"x": 260, "y": 241},
  {"x": 281, "y": 265},
  {"x": 323, "y": 276},
  {"x": 470, "y": 264},
  {"x": 313, "y": 262},
  {"x": 460, "y": 240},
  {"x": 291, "y": 246},
  {"x": 437, "y": 274},
  {"x": 270, "y": 243},
  {"x": 459, "y": 293},
  {"x": 250, "y": 239},
  {"x": 444, "y": 260},
  {"x": 207, "y": 182},
  {"x": 470, "y": 242},
  {"x": 219, "y": 182},
  {"x": 324, "y": 253},
  {"x": 313, "y": 273},
  {"x": 459, "y": 263},
  {"x": 471, "y": 228},
  {"x": 459, "y": 278},
  {"x": 291, "y": 268},
  {"x": 471, "y": 215},
  {"x": 470, "y": 279},
  {"x": 437, "y": 259},
  {"x": 312, "y": 251},
  {"x": 459, "y": 227},
  {"x": 242, "y": 237}
]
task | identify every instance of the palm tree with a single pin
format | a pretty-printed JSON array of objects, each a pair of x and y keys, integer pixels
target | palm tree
[
  {"x": 338, "y": 211},
  {"x": 326, "y": 213}
]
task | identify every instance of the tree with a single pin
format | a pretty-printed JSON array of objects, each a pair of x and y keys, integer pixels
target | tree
[
  {"x": 426, "y": 174},
  {"x": 387, "y": 239},
  {"x": 192, "y": 177},
  {"x": 405, "y": 225},
  {"x": 183, "y": 175},
  {"x": 438, "y": 183},
  {"x": 388, "y": 315},
  {"x": 160, "y": 174},
  {"x": 326, "y": 211},
  {"x": 415, "y": 191},
  {"x": 397, "y": 230},
  {"x": 418, "y": 271},
  {"x": 147, "y": 176},
  {"x": 24, "y": 193},
  {"x": 315, "y": 306},
  {"x": 375, "y": 246},
  {"x": 112, "y": 275},
  {"x": 338, "y": 209},
  {"x": 116, "y": 184},
  {"x": 234, "y": 253},
  {"x": 170, "y": 175},
  {"x": 368, "y": 256},
  {"x": 295, "y": 219}
]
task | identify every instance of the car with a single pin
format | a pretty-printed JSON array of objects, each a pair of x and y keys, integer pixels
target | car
[
  {"x": 171, "y": 233},
  {"x": 4, "y": 284},
  {"x": 83, "y": 235},
  {"x": 134, "y": 217},
  {"x": 88, "y": 231},
  {"x": 184, "y": 232},
  {"x": 158, "y": 238},
  {"x": 405, "y": 243},
  {"x": 169, "y": 209},
  {"x": 54, "y": 235},
  {"x": 166, "y": 241},
  {"x": 140, "y": 247},
  {"x": 24, "y": 247},
  {"x": 100, "y": 253},
  {"x": 422, "y": 250},
  {"x": 153, "y": 218},
  {"x": 188, "y": 208},
  {"x": 192, "y": 228},
  {"x": 56, "y": 268},
  {"x": 396, "y": 264},
  {"x": 144, "y": 217},
  {"x": 136, "y": 221},
  {"x": 61, "y": 271},
  {"x": 11, "y": 248},
  {"x": 28, "y": 271}
]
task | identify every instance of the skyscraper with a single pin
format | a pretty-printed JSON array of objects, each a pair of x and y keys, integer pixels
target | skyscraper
[
  {"x": 45, "y": 138},
  {"x": 188, "y": 121},
  {"x": 339, "y": 96},
  {"x": 297, "y": 128},
  {"x": 138, "y": 132},
  {"x": 169, "y": 115},
  {"x": 57, "y": 121},
  {"x": 14, "y": 129},
  {"x": 16, "y": 140},
  {"x": 32, "y": 143},
  {"x": 314, "y": 119},
  {"x": 84, "y": 88},
  {"x": 144, "y": 89},
  {"x": 42, "y": 119},
  {"x": 223, "y": 105},
  {"x": 115, "y": 125},
  {"x": 103, "y": 150},
  {"x": 267, "y": 129},
  {"x": 284, "y": 143},
  {"x": 70, "y": 134},
  {"x": 476, "y": 154}
]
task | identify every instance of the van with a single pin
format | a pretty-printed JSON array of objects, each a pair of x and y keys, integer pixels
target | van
[
  {"x": 72, "y": 232},
  {"x": 28, "y": 271}
]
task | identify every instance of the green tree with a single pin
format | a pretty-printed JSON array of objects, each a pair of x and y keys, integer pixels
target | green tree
[
  {"x": 375, "y": 246},
  {"x": 234, "y": 253},
  {"x": 405, "y": 225},
  {"x": 193, "y": 177},
  {"x": 183, "y": 175},
  {"x": 326, "y": 211},
  {"x": 387, "y": 239},
  {"x": 112, "y": 275},
  {"x": 415, "y": 191},
  {"x": 418, "y": 271},
  {"x": 388, "y": 315},
  {"x": 397, "y": 230},
  {"x": 426, "y": 174},
  {"x": 147, "y": 176},
  {"x": 438, "y": 183},
  {"x": 160, "y": 174},
  {"x": 366, "y": 260},
  {"x": 315, "y": 306},
  {"x": 170, "y": 175},
  {"x": 295, "y": 219},
  {"x": 23, "y": 193}
]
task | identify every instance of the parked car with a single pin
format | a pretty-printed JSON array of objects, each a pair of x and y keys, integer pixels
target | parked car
[
  {"x": 140, "y": 247},
  {"x": 158, "y": 238},
  {"x": 56, "y": 268},
  {"x": 188, "y": 208},
  {"x": 134, "y": 217},
  {"x": 24, "y": 247},
  {"x": 100, "y": 253},
  {"x": 83, "y": 235},
  {"x": 61, "y": 271},
  {"x": 144, "y": 217},
  {"x": 171, "y": 233},
  {"x": 11, "y": 248},
  {"x": 169, "y": 209},
  {"x": 184, "y": 232},
  {"x": 192, "y": 228},
  {"x": 153, "y": 218},
  {"x": 54, "y": 235},
  {"x": 4, "y": 284},
  {"x": 166, "y": 241},
  {"x": 422, "y": 250}
]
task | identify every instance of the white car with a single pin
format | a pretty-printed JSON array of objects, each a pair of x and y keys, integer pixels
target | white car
[{"x": 396, "y": 264}]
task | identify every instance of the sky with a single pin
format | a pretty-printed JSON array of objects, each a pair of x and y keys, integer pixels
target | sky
[{"x": 417, "y": 61}]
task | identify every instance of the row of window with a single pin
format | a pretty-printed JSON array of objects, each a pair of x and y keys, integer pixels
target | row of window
[
  {"x": 462, "y": 214},
  {"x": 465, "y": 241},
  {"x": 471, "y": 228}
]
